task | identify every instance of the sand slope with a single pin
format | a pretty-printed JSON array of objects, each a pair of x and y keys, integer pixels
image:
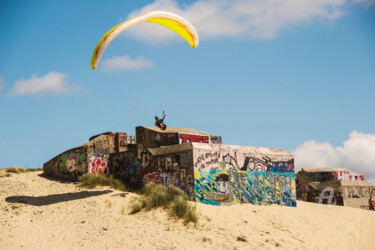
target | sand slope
[{"x": 38, "y": 213}]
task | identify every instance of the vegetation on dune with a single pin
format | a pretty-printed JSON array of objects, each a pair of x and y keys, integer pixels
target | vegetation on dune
[
  {"x": 17, "y": 170},
  {"x": 91, "y": 181},
  {"x": 241, "y": 238},
  {"x": 170, "y": 198}
]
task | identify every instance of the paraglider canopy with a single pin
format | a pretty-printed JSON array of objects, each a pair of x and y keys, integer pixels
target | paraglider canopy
[{"x": 169, "y": 20}]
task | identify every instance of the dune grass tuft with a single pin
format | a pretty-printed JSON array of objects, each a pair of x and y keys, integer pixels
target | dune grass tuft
[
  {"x": 17, "y": 170},
  {"x": 241, "y": 238},
  {"x": 91, "y": 181},
  {"x": 171, "y": 198}
]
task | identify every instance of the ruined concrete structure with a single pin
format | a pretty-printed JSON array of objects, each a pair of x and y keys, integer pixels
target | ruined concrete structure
[
  {"x": 337, "y": 186},
  {"x": 193, "y": 160}
]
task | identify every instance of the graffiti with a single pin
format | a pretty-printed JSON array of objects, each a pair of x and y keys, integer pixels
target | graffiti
[
  {"x": 206, "y": 160},
  {"x": 244, "y": 187},
  {"x": 125, "y": 165},
  {"x": 228, "y": 159},
  {"x": 256, "y": 164},
  {"x": 151, "y": 177},
  {"x": 99, "y": 165},
  {"x": 71, "y": 162},
  {"x": 356, "y": 192},
  {"x": 215, "y": 139},
  {"x": 223, "y": 188},
  {"x": 109, "y": 141},
  {"x": 326, "y": 196},
  {"x": 282, "y": 167},
  {"x": 158, "y": 137},
  {"x": 168, "y": 179},
  {"x": 186, "y": 138},
  {"x": 122, "y": 139}
]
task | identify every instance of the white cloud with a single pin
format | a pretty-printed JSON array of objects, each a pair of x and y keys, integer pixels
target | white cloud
[
  {"x": 254, "y": 18},
  {"x": 1, "y": 83},
  {"x": 125, "y": 63},
  {"x": 52, "y": 83},
  {"x": 357, "y": 154}
]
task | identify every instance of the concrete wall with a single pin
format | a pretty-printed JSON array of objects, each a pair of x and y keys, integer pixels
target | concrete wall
[
  {"x": 91, "y": 157},
  {"x": 68, "y": 165},
  {"x": 149, "y": 138},
  {"x": 232, "y": 174}
]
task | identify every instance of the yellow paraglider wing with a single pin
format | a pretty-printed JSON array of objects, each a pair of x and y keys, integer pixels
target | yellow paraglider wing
[
  {"x": 169, "y": 20},
  {"x": 177, "y": 27}
]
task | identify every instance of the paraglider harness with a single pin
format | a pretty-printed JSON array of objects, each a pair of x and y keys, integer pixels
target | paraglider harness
[{"x": 160, "y": 122}]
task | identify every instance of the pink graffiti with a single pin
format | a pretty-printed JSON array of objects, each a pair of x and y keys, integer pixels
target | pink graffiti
[
  {"x": 151, "y": 177},
  {"x": 99, "y": 166}
]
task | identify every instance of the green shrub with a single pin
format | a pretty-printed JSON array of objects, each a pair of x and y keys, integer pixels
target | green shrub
[
  {"x": 171, "y": 198},
  {"x": 91, "y": 181}
]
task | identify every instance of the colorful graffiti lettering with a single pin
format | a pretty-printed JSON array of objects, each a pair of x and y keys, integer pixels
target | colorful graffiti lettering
[
  {"x": 185, "y": 138},
  {"x": 71, "y": 162},
  {"x": 99, "y": 166},
  {"x": 282, "y": 167}
]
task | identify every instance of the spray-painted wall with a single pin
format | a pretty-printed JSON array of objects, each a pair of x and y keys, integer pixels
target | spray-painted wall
[
  {"x": 91, "y": 157},
  {"x": 150, "y": 138},
  {"x": 69, "y": 164},
  {"x": 249, "y": 175},
  {"x": 172, "y": 169}
]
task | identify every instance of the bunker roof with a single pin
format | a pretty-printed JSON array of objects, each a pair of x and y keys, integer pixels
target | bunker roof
[
  {"x": 163, "y": 150},
  {"x": 178, "y": 130},
  {"x": 316, "y": 170}
]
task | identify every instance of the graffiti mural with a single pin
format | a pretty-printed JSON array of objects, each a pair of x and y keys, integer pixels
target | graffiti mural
[
  {"x": 71, "y": 162},
  {"x": 219, "y": 178},
  {"x": 256, "y": 164},
  {"x": 231, "y": 186},
  {"x": 98, "y": 165}
]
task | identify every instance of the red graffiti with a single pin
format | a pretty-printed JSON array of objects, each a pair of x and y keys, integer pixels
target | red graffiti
[
  {"x": 185, "y": 138},
  {"x": 99, "y": 166},
  {"x": 151, "y": 177},
  {"x": 144, "y": 171}
]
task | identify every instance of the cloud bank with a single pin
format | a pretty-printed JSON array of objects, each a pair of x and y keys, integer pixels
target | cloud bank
[
  {"x": 263, "y": 19},
  {"x": 51, "y": 83},
  {"x": 125, "y": 63},
  {"x": 357, "y": 154}
]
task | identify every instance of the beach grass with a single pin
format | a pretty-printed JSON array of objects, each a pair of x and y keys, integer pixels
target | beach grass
[
  {"x": 91, "y": 181},
  {"x": 170, "y": 198},
  {"x": 17, "y": 170}
]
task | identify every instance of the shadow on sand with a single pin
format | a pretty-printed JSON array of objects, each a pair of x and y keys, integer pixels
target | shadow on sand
[{"x": 54, "y": 198}]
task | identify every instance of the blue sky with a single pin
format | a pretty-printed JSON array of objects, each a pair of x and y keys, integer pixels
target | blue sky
[{"x": 295, "y": 74}]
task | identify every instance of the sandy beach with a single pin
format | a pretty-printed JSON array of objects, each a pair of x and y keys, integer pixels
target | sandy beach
[{"x": 40, "y": 213}]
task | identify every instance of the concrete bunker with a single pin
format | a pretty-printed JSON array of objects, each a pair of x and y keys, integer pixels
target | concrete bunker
[{"x": 193, "y": 160}]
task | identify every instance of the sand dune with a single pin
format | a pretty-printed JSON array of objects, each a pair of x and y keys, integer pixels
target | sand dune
[{"x": 39, "y": 213}]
